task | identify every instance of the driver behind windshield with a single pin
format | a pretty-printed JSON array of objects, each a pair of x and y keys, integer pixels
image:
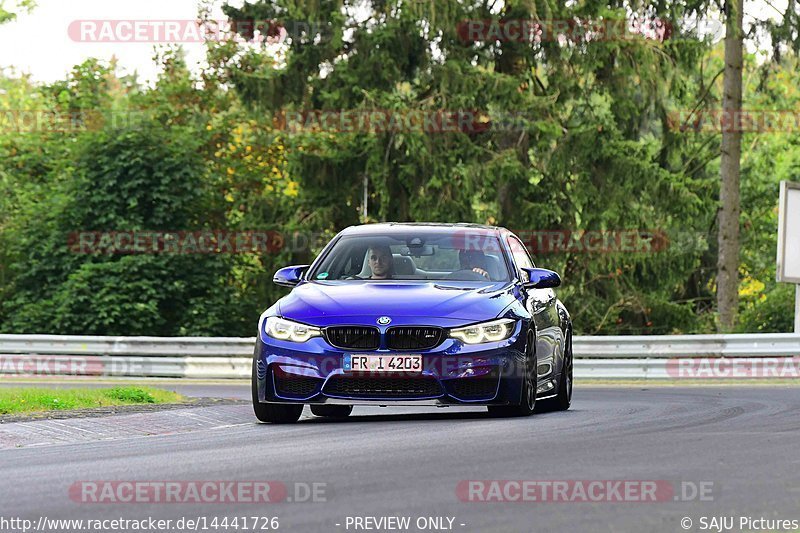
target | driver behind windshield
[
  {"x": 381, "y": 262},
  {"x": 474, "y": 260}
]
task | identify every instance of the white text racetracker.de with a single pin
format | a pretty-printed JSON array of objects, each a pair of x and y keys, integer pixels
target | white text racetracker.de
[{"x": 400, "y": 523}]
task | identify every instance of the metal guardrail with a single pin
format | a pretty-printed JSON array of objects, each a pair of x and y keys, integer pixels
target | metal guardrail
[
  {"x": 669, "y": 346},
  {"x": 141, "y": 346},
  {"x": 657, "y": 357}
]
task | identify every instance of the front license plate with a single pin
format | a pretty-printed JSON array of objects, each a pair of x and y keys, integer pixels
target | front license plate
[{"x": 382, "y": 363}]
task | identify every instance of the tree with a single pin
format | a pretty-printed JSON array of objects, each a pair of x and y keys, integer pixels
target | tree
[
  {"x": 9, "y": 13},
  {"x": 590, "y": 143},
  {"x": 592, "y": 150},
  {"x": 729, "y": 208},
  {"x": 179, "y": 157},
  {"x": 139, "y": 178}
]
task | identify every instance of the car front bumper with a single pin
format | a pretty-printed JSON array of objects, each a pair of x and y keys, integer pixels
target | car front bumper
[{"x": 453, "y": 374}]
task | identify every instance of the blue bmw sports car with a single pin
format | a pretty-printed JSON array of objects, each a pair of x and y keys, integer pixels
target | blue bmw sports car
[{"x": 414, "y": 314}]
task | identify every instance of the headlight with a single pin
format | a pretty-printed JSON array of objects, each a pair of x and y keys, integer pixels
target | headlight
[
  {"x": 288, "y": 330},
  {"x": 493, "y": 331}
]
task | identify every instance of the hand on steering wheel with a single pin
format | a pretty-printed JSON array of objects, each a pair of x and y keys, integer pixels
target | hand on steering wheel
[
  {"x": 481, "y": 271},
  {"x": 469, "y": 274}
]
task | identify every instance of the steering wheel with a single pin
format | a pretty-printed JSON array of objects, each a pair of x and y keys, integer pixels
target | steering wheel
[{"x": 467, "y": 274}]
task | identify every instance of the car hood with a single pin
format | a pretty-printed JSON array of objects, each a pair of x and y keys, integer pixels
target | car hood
[{"x": 324, "y": 303}]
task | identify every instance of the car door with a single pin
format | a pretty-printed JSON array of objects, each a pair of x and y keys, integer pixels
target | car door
[{"x": 542, "y": 305}]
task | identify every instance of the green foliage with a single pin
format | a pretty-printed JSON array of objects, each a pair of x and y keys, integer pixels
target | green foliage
[
  {"x": 131, "y": 395},
  {"x": 125, "y": 180},
  {"x": 592, "y": 153},
  {"x": 770, "y": 313},
  {"x": 593, "y": 148},
  {"x": 176, "y": 158},
  {"x": 9, "y": 12}
]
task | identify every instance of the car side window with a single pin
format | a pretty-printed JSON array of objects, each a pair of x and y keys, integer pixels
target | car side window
[{"x": 521, "y": 257}]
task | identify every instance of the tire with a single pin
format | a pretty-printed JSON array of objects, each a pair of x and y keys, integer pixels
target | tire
[
  {"x": 563, "y": 399},
  {"x": 527, "y": 404},
  {"x": 274, "y": 413},
  {"x": 332, "y": 411}
]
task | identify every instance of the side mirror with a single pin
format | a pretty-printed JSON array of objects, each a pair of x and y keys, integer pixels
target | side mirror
[
  {"x": 541, "y": 278},
  {"x": 289, "y": 276}
]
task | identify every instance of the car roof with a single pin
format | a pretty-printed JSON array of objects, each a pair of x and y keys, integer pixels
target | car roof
[{"x": 423, "y": 227}]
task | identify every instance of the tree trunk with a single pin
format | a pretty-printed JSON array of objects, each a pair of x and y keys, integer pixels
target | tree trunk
[{"x": 728, "y": 238}]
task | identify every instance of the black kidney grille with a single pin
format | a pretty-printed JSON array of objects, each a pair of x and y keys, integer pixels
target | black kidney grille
[
  {"x": 353, "y": 337},
  {"x": 386, "y": 387},
  {"x": 413, "y": 338}
]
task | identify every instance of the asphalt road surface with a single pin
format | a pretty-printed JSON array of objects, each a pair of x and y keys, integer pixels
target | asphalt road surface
[{"x": 730, "y": 451}]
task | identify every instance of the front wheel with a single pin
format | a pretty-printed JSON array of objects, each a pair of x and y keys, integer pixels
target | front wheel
[
  {"x": 563, "y": 399},
  {"x": 274, "y": 413},
  {"x": 527, "y": 404}
]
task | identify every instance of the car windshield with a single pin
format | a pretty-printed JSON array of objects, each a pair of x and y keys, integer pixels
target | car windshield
[{"x": 406, "y": 256}]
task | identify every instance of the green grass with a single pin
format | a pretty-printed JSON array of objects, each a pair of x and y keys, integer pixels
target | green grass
[{"x": 28, "y": 400}]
